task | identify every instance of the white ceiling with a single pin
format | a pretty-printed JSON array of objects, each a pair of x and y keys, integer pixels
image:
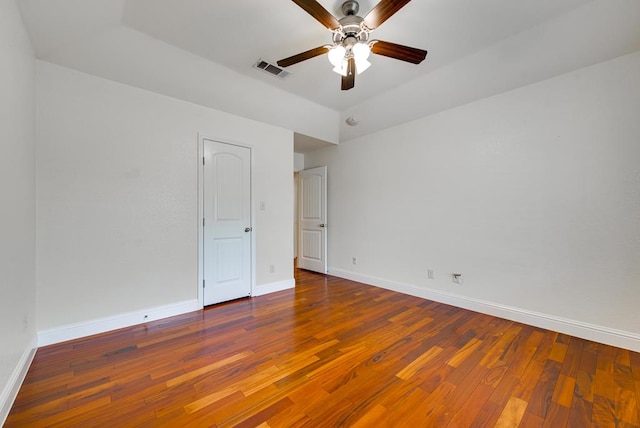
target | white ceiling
[
  {"x": 236, "y": 33},
  {"x": 476, "y": 42}
]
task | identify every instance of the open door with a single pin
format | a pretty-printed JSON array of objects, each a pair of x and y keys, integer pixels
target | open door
[{"x": 312, "y": 219}]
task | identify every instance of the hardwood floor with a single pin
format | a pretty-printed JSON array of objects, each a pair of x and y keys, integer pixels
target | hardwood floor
[{"x": 331, "y": 353}]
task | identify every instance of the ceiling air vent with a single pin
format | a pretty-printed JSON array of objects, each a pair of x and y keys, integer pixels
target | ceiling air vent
[{"x": 272, "y": 69}]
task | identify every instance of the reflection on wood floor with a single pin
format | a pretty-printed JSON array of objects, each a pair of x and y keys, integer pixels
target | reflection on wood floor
[{"x": 331, "y": 352}]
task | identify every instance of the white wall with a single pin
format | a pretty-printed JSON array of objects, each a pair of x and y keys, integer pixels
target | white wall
[
  {"x": 533, "y": 195},
  {"x": 17, "y": 193},
  {"x": 116, "y": 54},
  {"x": 298, "y": 162},
  {"x": 117, "y": 196},
  {"x": 578, "y": 38}
]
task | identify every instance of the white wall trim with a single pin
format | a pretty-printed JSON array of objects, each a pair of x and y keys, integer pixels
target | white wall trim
[
  {"x": 10, "y": 392},
  {"x": 272, "y": 287},
  {"x": 199, "y": 220},
  {"x": 101, "y": 325},
  {"x": 597, "y": 333}
]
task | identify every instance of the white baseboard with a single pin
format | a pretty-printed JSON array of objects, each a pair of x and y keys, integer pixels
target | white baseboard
[
  {"x": 272, "y": 287},
  {"x": 596, "y": 333},
  {"x": 101, "y": 325},
  {"x": 10, "y": 392}
]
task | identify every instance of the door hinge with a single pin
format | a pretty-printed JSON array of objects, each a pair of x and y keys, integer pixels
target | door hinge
[
  {"x": 203, "y": 222},
  {"x": 202, "y": 160},
  {"x": 203, "y": 283}
]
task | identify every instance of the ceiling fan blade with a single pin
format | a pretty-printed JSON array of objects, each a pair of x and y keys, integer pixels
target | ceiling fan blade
[
  {"x": 303, "y": 56},
  {"x": 383, "y": 11},
  {"x": 349, "y": 81},
  {"x": 403, "y": 53},
  {"x": 322, "y": 15}
]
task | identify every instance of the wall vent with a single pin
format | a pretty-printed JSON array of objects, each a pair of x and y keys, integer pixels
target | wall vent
[{"x": 272, "y": 69}]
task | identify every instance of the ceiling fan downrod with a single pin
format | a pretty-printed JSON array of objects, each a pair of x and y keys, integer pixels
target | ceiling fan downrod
[{"x": 350, "y": 7}]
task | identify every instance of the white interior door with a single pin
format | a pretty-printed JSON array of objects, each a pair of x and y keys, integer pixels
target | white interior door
[
  {"x": 227, "y": 222},
  {"x": 312, "y": 220}
]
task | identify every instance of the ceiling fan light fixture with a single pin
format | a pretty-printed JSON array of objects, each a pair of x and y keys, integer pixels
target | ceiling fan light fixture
[
  {"x": 342, "y": 68},
  {"x": 362, "y": 65},
  {"x": 336, "y": 55},
  {"x": 361, "y": 51}
]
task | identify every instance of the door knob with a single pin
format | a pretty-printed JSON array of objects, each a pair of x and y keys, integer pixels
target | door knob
[
  {"x": 322, "y": 225},
  {"x": 248, "y": 229}
]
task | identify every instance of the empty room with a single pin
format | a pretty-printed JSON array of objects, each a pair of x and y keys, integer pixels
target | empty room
[{"x": 373, "y": 213}]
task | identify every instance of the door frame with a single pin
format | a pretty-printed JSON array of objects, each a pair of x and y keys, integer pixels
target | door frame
[{"x": 201, "y": 140}]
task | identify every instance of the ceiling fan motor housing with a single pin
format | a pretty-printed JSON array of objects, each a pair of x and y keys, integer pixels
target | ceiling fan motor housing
[
  {"x": 351, "y": 24},
  {"x": 350, "y": 28}
]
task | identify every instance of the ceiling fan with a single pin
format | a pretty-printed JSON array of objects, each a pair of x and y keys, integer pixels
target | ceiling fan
[{"x": 351, "y": 45}]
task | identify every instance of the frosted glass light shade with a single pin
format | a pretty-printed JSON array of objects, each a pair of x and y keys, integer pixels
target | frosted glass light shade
[
  {"x": 336, "y": 55},
  {"x": 342, "y": 68},
  {"x": 361, "y": 51},
  {"x": 362, "y": 65}
]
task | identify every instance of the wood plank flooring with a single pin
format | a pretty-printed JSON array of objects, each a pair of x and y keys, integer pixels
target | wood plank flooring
[{"x": 330, "y": 353}]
